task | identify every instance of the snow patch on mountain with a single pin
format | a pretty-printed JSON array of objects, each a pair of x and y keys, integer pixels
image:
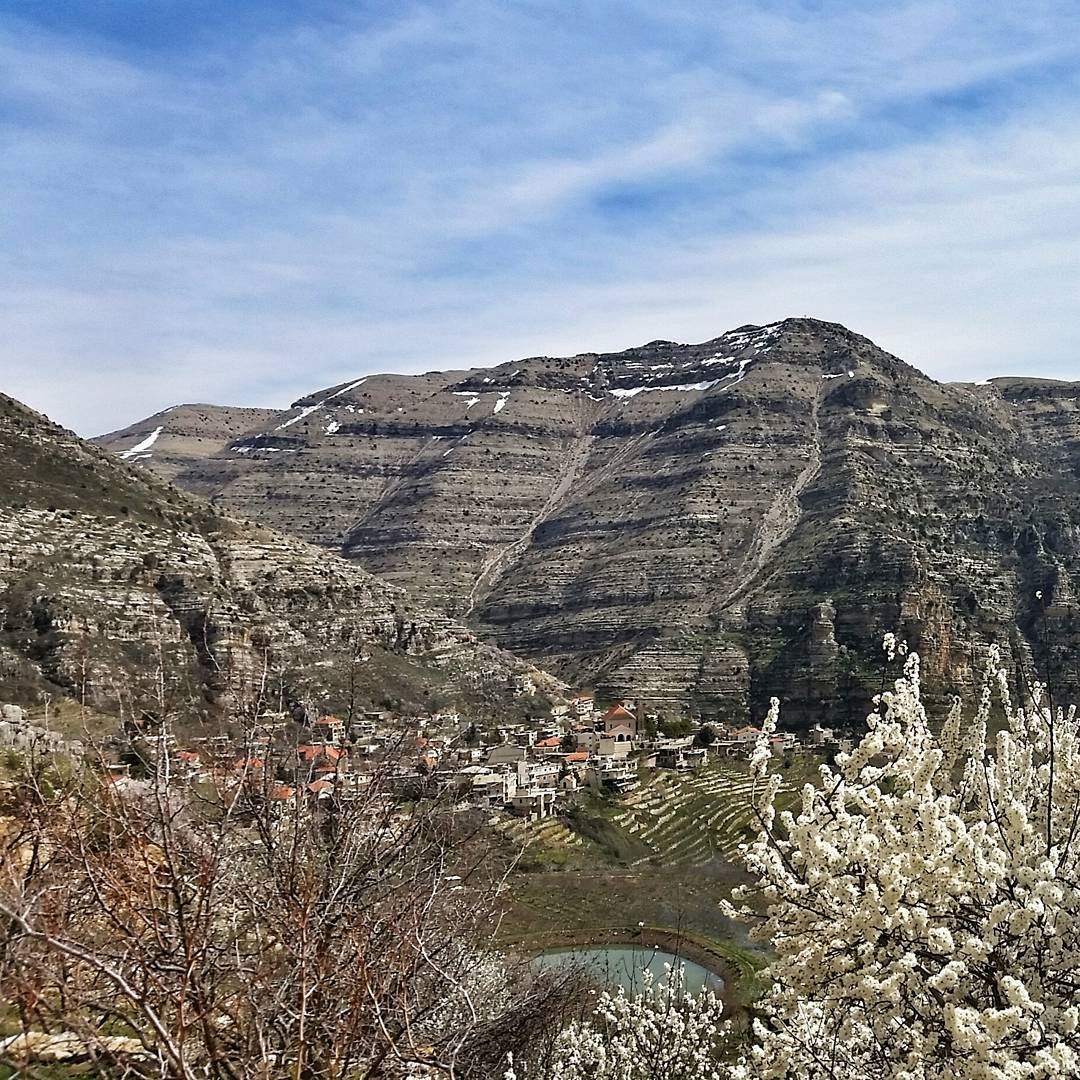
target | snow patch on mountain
[
  {"x": 305, "y": 410},
  {"x": 353, "y": 386},
  {"x": 143, "y": 448},
  {"x": 633, "y": 391}
]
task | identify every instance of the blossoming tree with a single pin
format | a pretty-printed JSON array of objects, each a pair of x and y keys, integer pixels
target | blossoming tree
[{"x": 923, "y": 903}]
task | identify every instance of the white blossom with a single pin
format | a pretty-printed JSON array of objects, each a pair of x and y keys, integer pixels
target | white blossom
[{"x": 661, "y": 1033}]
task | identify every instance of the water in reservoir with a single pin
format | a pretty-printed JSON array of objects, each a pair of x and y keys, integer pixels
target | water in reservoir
[{"x": 624, "y": 965}]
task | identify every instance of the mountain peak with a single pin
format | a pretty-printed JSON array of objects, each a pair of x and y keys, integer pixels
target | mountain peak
[{"x": 665, "y": 520}]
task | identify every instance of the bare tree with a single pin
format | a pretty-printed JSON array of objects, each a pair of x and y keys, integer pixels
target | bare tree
[{"x": 260, "y": 925}]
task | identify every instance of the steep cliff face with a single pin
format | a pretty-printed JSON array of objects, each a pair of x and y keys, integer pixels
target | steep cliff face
[
  {"x": 699, "y": 525},
  {"x": 128, "y": 594}
]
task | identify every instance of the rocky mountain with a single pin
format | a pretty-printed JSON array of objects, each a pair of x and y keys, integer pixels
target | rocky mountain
[
  {"x": 125, "y": 593},
  {"x": 700, "y": 526}
]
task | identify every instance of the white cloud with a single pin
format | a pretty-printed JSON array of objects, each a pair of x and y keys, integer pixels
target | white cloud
[{"x": 436, "y": 193}]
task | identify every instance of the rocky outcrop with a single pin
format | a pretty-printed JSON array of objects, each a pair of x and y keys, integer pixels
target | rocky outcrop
[
  {"x": 136, "y": 598},
  {"x": 18, "y": 733},
  {"x": 699, "y": 526}
]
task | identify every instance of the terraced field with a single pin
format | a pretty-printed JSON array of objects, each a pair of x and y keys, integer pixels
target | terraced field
[
  {"x": 550, "y": 833},
  {"x": 673, "y": 818},
  {"x": 662, "y": 857},
  {"x": 693, "y": 817}
]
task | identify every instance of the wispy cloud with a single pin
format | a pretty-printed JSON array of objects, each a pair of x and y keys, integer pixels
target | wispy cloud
[{"x": 288, "y": 198}]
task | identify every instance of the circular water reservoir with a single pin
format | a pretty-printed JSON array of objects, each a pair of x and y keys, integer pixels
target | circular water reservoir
[{"x": 625, "y": 966}]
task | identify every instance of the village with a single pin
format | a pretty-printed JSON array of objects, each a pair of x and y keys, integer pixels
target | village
[{"x": 530, "y": 770}]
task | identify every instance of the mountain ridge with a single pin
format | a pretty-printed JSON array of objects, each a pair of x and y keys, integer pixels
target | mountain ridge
[
  {"x": 689, "y": 524},
  {"x": 120, "y": 591}
]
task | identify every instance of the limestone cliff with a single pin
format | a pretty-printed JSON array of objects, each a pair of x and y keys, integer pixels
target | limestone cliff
[
  {"x": 130, "y": 595},
  {"x": 701, "y": 526}
]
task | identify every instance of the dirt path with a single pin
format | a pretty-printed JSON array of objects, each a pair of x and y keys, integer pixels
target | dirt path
[
  {"x": 780, "y": 520},
  {"x": 495, "y": 565}
]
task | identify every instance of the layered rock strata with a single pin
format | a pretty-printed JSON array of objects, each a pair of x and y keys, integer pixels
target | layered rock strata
[
  {"x": 135, "y": 597},
  {"x": 699, "y": 526}
]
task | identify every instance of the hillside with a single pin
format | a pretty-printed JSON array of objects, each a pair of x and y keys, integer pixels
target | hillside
[
  {"x": 700, "y": 526},
  {"x": 124, "y": 593}
]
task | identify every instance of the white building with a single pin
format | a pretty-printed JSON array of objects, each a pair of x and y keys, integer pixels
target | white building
[
  {"x": 488, "y": 787},
  {"x": 330, "y": 728},
  {"x": 537, "y": 773},
  {"x": 581, "y": 708},
  {"x": 536, "y": 802},
  {"x": 615, "y": 772}
]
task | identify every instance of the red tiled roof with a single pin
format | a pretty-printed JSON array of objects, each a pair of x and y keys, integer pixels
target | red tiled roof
[
  {"x": 617, "y": 712},
  {"x": 554, "y": 740},
  {"x": 310, "y": 753},
  {"x": 578, "y": 755}
]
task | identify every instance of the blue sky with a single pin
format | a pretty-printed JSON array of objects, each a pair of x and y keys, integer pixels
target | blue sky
[{"x": 241, "y": 202}]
